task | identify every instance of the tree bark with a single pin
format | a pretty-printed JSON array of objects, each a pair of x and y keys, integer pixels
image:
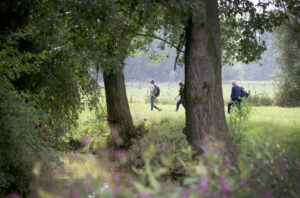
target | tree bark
[
  {"x": 205, "y": 114},
  {"x": 118, "y": 112}
]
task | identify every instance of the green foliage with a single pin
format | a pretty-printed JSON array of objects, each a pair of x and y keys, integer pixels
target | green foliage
[
  {"x": 15, "y": 14},
  {"x": 239, "y": 114},
  {"x": 269, "y": 172},
  {"x": 20, "y": 140},
  {"x": 241, "y": 22},
  {"x": 260, "y": 100},
  {"x": 93, "y": 125},
  {"x": 166, "y": 170},
  {"x": 288, "y": 41},
  {"x": 44, "y": 83}
]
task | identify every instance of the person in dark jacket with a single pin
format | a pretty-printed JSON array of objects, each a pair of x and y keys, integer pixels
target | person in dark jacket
[
  {"x": 235, "y": 97},
  {"x": 181, "y": 94}
]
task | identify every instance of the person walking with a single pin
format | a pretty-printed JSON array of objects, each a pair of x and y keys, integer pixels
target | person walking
[
  {"x": 235, "y": 97},
  {"x": 181, "y": 94},
  {"x": 153, "y": 89}
]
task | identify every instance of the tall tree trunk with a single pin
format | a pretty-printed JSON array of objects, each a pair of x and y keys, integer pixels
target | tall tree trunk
[
  {"x": 203, "y": 89},
  {"x": 118, "y": 113}
]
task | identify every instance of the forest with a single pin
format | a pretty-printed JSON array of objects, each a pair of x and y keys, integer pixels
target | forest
[{"x": 150, "y": 98}]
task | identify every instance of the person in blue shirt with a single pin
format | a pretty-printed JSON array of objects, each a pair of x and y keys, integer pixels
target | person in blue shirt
[
  {"x": 236, "y": 92},
  {"x": 181, "y": 94},
  {"x": 235, "y": 97}
]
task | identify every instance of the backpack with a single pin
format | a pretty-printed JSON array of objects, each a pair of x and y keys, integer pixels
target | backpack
[
  {"x": 156, "y": 91},
  {"x": 244, "y": 93}
]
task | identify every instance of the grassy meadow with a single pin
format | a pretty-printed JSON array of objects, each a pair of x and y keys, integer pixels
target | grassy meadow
[
  {"x": 275, "y": 126},
  {"x": 272, "y": 124},
  {"x": 137, "y": 93}
]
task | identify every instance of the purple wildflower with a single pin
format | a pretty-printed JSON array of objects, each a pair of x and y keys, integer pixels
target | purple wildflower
[
  {"x": 223, "y": 195},
  {"x": 185, "y": 192},
  {"x": 297, "y": 163},
  {"x": 225, "y": 187},
  {"x": 88, "y": 175},
  {"x": 266, "y": 144},
  {"x": 206, "y": 140},
  {"x": 64, "y": 192},
  {"x": 203, "y": 182},
  {"x": 118, "y": 154},
  {"x": 203, "y": 185},
  {"x": 213, "y": 194},
  {"x": 88, "y": 188},
  {"x": 221, "y": 180},
  {"x": 168, "y": 183},
  {"x": 242, "y": 182},
  {"x": 14, "y": 195},
  {"x": 164, "y": 144},
  {"x": 75, "y": 193},
  {"x": 267, "y": 195},
  {"x": 217, "y": 150},
  {"x": 84, "y": 140},
  {"x": 228, "y": 161},
  {"x": 277, "y": 145},
  {"x": 116, "y": 191},
  {"x": 116, "y": 177},
  {"x": 145, "y": 195}
]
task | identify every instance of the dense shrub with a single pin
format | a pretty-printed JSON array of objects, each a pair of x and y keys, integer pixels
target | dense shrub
[
  {"x": 260, "y": 100},
  {"x": 266, "y": 172},
  {"x": 160, "y": 144},
  {"x": 18, "y": 141},
  {"x": 90, "y": 135},
  {"x": 288, "y": 42}
]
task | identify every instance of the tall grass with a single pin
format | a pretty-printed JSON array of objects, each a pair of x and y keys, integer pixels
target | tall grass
[{"x": 170, "y": 91}]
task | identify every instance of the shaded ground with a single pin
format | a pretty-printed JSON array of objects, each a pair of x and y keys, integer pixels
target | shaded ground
[{"x": 85, "y": 175}]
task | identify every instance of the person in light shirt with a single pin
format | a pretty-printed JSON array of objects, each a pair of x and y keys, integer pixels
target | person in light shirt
[{"x": 152, "y": 96}]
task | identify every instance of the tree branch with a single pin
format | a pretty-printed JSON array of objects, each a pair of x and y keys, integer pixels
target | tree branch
[
  {"x": 159, "y": 38},
  {"x": 180, "y": 45}
]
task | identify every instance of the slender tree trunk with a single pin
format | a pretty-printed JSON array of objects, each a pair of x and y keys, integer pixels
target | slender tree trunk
[
  {"x": 118, "y": 113},
  {"x": 205, "y": 114}
]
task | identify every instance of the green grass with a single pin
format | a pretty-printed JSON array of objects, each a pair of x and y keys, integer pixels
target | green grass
[
  {"x": 271, "y": 124},
  {"x": 170, "y": 91},
  {"x": 275, "y": 125}
]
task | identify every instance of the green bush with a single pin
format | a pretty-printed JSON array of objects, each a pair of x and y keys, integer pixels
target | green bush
[
  {"x": 91, "y": 125},
  {"x": 266, "y": 172},
  {"x": 288, "y": 74},
  {"x": 18, "y": 141},
  {"x": 260, "y": 100}
]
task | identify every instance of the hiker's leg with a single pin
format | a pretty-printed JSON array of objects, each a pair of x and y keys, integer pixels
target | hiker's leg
[
  {"x": 177, "y": 104},
  {"x": 156, "y": 107},
  {"x": 229, "y": 107},
  {"x": 183, "y": 103},
  {"x": 233, "y": 105},
  {"x": 152, "y": 103},
  {"x": 241, "y": 105}
]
